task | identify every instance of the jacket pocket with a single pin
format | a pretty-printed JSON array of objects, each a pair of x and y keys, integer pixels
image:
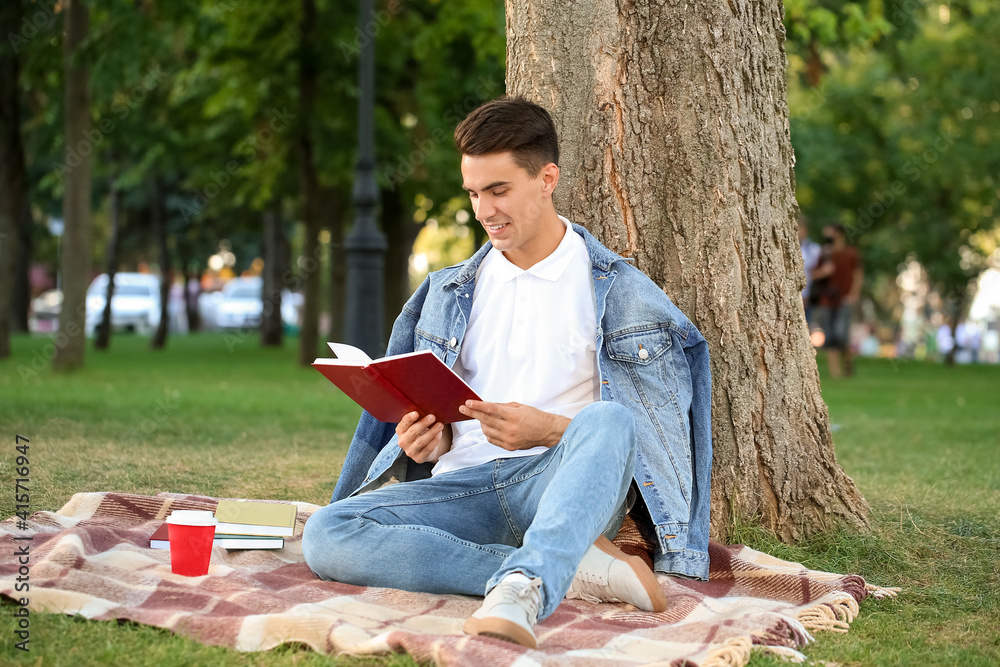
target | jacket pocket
[
  {"x": 644, "y": 364},
  {"x": 442, "y": 349}
]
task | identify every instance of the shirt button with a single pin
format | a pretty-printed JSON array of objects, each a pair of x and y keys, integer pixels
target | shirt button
[
  {"x": 643, "y": 354},
  {"x": 520, "y": 323},
  {"x": 522, "y": 298},
  {"x": 523, "y": 276},
  {"x": 454, "y": 341}
]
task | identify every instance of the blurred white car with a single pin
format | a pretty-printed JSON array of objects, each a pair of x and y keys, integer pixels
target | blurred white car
[
  {"x": 240, "y": 304},
  {"x": 135, "y": 303}
]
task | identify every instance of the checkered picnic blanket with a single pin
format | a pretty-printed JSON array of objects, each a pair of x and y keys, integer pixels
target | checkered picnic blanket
[{"x": 92, "y": 558}]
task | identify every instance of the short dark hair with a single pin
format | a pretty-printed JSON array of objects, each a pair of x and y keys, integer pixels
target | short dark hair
[
  {"x": 514, "y": 125},
  {"x": 838, "y": 228}
]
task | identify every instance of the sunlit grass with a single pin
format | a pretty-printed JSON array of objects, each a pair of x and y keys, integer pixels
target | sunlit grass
[
  {"x": 923, "y": 444},
  {"x": 920, "y": 440}
]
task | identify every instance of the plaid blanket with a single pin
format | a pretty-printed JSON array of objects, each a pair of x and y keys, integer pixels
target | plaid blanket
[{"x": 92, "y": 558}]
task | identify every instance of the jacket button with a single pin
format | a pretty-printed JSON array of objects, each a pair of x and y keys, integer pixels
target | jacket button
[
  {"x": 644, "y": 354},
  {"x": 453, "y": 342}
]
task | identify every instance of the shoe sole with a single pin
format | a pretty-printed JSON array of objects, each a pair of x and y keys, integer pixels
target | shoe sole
[
  {"x": 499, "y": 628},
  {"x": 647, "y": 578}
]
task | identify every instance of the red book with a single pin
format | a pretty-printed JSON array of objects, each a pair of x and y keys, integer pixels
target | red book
[{"x": 390, "y": 387}]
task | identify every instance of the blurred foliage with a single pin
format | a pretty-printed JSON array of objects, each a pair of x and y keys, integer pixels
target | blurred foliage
[
  {"x": 893, "y": 103},
  {"x": 204, "y": 95},
  {"x": 896, "y": 139},
  {"x": 444, "y": 241}
]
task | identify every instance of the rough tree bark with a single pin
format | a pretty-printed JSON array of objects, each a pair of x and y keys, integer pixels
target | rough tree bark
[
  {"x": 676, "y": 151},
  {"x": 75, "y": 255}
]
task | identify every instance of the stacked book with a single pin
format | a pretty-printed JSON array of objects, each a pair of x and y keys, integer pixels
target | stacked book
[{"x": 244, "y": 524}]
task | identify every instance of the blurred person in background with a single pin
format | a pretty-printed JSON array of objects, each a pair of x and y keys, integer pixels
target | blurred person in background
[
  {"x": 943, "y": 340},
  {"x": 968, "y": 341},
  {"x": 840, "y": 269},
  {"x": 811, "y": 252}
]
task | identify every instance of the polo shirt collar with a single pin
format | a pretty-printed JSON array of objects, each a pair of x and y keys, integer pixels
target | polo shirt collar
[{"x": 551, "y": 268}]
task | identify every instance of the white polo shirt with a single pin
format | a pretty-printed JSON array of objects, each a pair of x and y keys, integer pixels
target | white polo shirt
[{"x": 531, "y": 339}]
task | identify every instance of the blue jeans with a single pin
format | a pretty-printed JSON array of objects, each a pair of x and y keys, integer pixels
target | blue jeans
[{"x": 463, "y": 531}]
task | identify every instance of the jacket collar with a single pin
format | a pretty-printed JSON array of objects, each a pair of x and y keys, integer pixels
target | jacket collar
[{"x": 600, "y": 256}]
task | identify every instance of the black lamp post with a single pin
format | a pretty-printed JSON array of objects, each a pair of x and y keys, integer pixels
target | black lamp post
[{"x": 365, "y": 246}]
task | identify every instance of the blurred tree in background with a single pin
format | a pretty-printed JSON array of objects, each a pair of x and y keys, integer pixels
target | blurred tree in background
[
  {"x": 232, "y": 124},
  {"x": 895, "y": 113},
  {"x": 222, "y": 119}
]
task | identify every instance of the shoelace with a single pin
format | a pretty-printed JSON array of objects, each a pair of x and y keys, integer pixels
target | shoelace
[
  {"x": 591, "y": 587},
  {"x": 528, "y": 597}
]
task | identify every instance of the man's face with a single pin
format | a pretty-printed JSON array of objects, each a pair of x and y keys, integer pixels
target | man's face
[
  {"x": 510, "y": 204},
  {"x": 831, "y": 236}
]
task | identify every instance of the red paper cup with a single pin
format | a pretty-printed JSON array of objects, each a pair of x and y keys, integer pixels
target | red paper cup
[{"x": 191, "y": 533}]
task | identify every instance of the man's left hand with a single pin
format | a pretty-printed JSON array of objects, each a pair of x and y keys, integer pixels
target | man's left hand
[{"x": 515, "y": 426}]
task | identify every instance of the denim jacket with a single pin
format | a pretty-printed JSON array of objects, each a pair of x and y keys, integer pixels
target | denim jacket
[{"x": 651, "y": 359}]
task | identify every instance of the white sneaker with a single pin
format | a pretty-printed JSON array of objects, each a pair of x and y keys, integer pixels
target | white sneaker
[
  {"x": 608, "y": 574},
  {"x": 509, "y": 612}
]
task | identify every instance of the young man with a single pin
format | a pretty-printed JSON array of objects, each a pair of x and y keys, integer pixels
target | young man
[{"x": 598, "y": 396}]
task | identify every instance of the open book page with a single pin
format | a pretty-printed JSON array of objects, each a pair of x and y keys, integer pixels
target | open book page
[{"x": 350, "y": 354}]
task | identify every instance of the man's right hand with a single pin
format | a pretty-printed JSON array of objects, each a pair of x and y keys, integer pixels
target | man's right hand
[{"x": 423, "y": 439}]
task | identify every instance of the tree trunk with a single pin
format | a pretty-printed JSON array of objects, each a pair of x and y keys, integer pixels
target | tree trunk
[
  {"x": 75, "y": 255},
  {"x": 275, "y": 265},
  {"x": 159, "y": 216},
  {"x": 401, "y": 232},
  {"x": 956, "y": 306},
  {"x": 13, "y": 182},
  {"x": 334, "y": 204},
  {"x": 674, "y": 135},
  {"x": 191, "y": 296},
  {"x": 309, "y": 187},
  {"x": 21, "y": 298},
  {"x": 103, "y": 337}
]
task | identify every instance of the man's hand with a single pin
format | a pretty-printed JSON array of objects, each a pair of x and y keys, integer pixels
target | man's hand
[
  {"x": 515, "y": 426},
  {"x": 423, "y": 439}
]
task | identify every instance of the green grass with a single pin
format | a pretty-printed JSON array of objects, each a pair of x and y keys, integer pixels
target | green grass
[
  {"x": 923, "y": 444},
  {"x": 212, "y": 417}
]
